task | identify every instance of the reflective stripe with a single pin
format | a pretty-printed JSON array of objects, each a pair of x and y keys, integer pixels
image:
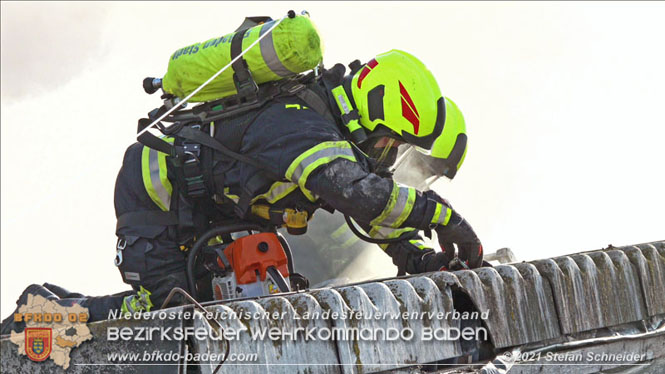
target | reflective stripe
[
  {"x": 314, "y": 157},
  {"x": 270, "y": 55},
  {"x": 380, "y": 232},
  {"x": 345, "y": 236},
  {"x": 438, "y": 219},
  {"x": 419, "y": 243},
  {"x": 155, "y": 179},
  {"x": 398, "y": 208},
  {"x": 140, "y": 302},
  {"x": 277, "y": 191},
  {"x": 230, "y": 196}
]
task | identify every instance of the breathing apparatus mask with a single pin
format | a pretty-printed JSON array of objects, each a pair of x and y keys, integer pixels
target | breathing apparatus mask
[{"x": 382, "y": 150}]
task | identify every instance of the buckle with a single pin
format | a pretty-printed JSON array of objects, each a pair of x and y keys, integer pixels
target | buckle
[
  {"x": 122, "y": 244},
  {"x": 247, "y": 88}
]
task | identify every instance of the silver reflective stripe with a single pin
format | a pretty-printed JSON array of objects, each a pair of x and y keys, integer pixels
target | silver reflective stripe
[
  {"x": 379, "y": 232},
  {"x": 400, "y": 205},
  {"x": 276, "y": 192},
  {"x": 327, "y": 154},
  {"x": 270, "y": 55},
  {"x": 157, "y": 185}
]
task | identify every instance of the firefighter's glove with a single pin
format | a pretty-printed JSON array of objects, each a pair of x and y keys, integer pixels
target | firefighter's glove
[
  {"x": 413, "y": 260},
  {"x": 458, "y": 231},
  {"x": 434, "y": 261}
]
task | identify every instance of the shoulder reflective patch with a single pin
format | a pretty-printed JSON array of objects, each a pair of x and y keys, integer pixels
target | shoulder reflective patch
[
  {"x": 314, "y": 157},
  {"x": 155, "y": 179}
]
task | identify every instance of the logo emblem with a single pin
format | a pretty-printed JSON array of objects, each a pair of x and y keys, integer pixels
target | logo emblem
[{"x": 38, "y": 343}]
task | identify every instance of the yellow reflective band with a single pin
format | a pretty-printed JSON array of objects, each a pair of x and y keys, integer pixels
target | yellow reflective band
[
  {"x": 350, "y": 241},
  {"x": 155, "y": 178},
  {"x": 392, "y": 200},
  {"x": 228, "y": 195},
  {"x": 437, "y": 219},
  {"x": 437, "y": 214},
  {"x": 344, "y": 235},
  {"x": 449, "y": 213},
  {"x": 398, "y": 208},
  {"x": 277, "y": 191},
  {"x": 410, "y": 201},
  {"x": 380, "y": 232},
  {"x": 339, "y": 231},
  {"x": 419, "y": 243},
  {"x": 314, "y": 157},
  {"x": 289, "y": 106}
]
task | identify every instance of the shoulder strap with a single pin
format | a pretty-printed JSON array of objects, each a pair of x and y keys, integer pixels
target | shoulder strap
[
  {"x": 314, "y": 100},
  {"x": 208, "y": 141},
  {"x": 242, "y": 77}
]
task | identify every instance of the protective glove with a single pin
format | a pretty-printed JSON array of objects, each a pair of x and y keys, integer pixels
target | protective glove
[
  {"x": 413, "y": 260},
  {"x": 459, "y": 231},
  {"x": 434, "y": 261}
]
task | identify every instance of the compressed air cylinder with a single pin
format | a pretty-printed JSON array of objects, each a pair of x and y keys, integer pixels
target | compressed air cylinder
[{"x": 292, "y": 47}]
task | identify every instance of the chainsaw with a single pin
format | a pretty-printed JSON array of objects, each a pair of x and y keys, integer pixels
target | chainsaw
[{"x": 241, "y": 260}]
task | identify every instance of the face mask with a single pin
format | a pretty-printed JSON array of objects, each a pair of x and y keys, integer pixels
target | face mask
[{"x": 384, "y": 157}]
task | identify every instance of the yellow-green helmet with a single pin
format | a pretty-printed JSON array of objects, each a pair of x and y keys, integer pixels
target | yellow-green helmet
[
  {"x": 395, "y": 90},
  {"x": 449, "y": 149}
]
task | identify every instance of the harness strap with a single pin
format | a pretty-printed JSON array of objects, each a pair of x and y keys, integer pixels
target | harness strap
[
  {"x": 255, "y": 184},
  {"x": 147, "y": 218},
  {"x": 242, "y": 77},
  {"x": 208, "y": 141},
  {"x": 153, "y": 142},
  {"x": 314, "y": 101}
]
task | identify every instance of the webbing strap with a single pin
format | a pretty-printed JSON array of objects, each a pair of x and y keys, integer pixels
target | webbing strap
[
  {"x": 314, "y": 101},
  {"x": 208, "y": 141},
  {"x": 243, "y": 80},
  {"x": 147, "y": 218},
  {"x": 151, "y": 141}
]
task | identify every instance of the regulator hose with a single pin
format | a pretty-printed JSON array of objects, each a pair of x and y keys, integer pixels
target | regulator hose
[{"x": 354, "y": 229}]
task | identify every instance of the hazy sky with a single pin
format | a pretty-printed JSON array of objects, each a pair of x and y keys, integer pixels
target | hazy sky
[{"x": 563, "y": 103}]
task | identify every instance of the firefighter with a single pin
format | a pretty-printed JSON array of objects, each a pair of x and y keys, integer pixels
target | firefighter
[{"x": 303, "y": 154}]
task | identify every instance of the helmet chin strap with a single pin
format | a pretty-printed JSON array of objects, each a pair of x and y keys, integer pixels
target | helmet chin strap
[{"x": 386, "y": 150}]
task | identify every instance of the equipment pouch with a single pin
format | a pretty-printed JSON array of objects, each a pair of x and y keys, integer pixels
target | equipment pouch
[{"x": 130, "y": 258}]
